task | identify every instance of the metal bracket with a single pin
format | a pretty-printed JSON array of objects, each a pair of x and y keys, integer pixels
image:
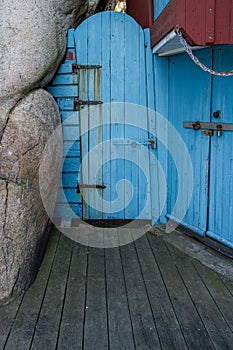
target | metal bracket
[
  {"x": 79, "y": 186},
  {"x": 206, "y": 125},
  {"x": 77, "y": 67},
  {"x": 79, "y": 103}
]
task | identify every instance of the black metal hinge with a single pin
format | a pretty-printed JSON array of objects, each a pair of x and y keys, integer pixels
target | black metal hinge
[
  {"x": 79, "y": 103},
  {"x": 79, "y": 186},
  {"x": 77, "y": 67}
]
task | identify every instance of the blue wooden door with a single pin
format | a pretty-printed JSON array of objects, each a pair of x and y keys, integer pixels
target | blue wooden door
[
  {"x": 220, "y": 222},
  {"x": 116, "y": 131},
  {"x": 189, "y": 100}
]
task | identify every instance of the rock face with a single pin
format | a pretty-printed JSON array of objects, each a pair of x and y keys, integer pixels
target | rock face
[
  {"x": 32, "y": 45},
  {"x": 23, "y": 218}
]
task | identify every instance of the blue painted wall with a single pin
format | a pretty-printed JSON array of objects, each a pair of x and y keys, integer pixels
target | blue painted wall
[{"x": 159, "y": 6}]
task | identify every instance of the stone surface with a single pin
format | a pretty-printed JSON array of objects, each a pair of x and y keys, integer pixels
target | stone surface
[
  {"x": 33, "y": 43},
  {"x": 23, "y": 218}
]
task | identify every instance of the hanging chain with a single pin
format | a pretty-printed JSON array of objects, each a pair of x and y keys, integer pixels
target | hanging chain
[{"x": 195, "y": 59}]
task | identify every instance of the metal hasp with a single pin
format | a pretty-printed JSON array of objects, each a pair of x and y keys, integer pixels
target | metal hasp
[
  {"x": 79, "y": 186},
  {"x": 208, "y": 132},
  {"x": 208, "y": 128}
]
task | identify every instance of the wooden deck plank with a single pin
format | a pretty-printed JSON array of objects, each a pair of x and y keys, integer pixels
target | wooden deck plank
[
  {"x": 7, "y": 317},
  {"x": 119, "y": 321},
  {"x": 47, "y": 328},
  {"x": 194, "y": 332},
  {"x": 23, "y": 328},
  {"x": 71, "y": 329},
  {"x": 140, "y": 238},
  {"x": 218, "y": 290},
  {"x": 216, "y": 326},
  {"x": 168, "y": 327},
  {"x": 145, "y": 332},
  {"x": 228, "y": 283},
  {"x": 95, "y": 327}
]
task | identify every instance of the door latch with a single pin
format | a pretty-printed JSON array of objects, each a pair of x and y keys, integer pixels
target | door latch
[
  {"x": 134, "y": 144},
  {"x": 219, "y": 128},
  {"x": 208, "y": 132},
  {"x": 208, "y": 128}
]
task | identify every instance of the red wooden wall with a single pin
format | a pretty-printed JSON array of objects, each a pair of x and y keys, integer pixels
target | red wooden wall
[
  {"x": 141, "y": 11},
  {"x": 207, "y": 22}
]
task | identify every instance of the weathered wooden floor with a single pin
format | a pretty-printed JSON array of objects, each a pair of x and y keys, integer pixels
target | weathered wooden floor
[{"x": 146, "y": 295}]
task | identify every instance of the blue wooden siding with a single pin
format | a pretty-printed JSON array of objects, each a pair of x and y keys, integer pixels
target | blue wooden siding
[
  {"x": 159, "y": 6},
  {"x": 64, "y": 88}
]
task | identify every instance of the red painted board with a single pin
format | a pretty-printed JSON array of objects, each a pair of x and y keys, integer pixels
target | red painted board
[
  {"x": 173, "y": 14},
  {"x": 141, "y": 11},
  {"x": 223, "y": 24},
  {"x": 207, "y": 22}
]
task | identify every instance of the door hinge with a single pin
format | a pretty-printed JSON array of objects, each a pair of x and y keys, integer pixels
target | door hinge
[
  {"x": 77, "y": 67},
  {"x": 78, "y": 104},
  {"x": 80, "y": 185}
]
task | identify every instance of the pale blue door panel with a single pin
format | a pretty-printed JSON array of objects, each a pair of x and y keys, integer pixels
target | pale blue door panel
[
  {"x": 115, "y": 42},
  {"x": 220, "y": 223},
  {"x": 189, "y": 100}
]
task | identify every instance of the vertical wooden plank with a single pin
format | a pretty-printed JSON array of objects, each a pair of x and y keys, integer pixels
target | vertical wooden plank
[
  {"x": 195, "y": 20},
  {"x": 144, "y": 328},
  {"x": 161, "y": 77},
  {"x": 231, "y": 26},
  {"x": 118, "y": 85},
  {"x": 72, "y": 321},
  {"x": 210, "y": 21},
  {"x": 120, "y": 326},
  {"x": 95, "y": 331},
  {"x": 169, "y": 331},
  {"x": 84, "y": 122},
  {"x": 190, "y": 322},
  {"x": 143, "y": 134},
  {"x": 223, "y": 22},
  {"x": 190, "y": 102},
  {"x": 106, "y": 110},
  {"x": 218, "y": 330},
  {"x": 95, "y": 117},
  {"x": 141, "y": 11},
  {"x": 70, "y": 38},
  {"x": 7, "y": 315},
  {"x": 24, "y": 325},
  {"x": 82, "y": 58},
  {"x": 221, "y": 161},
  {"x": 50, "y": 313},
  {"x": 132, "y": 95}
]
